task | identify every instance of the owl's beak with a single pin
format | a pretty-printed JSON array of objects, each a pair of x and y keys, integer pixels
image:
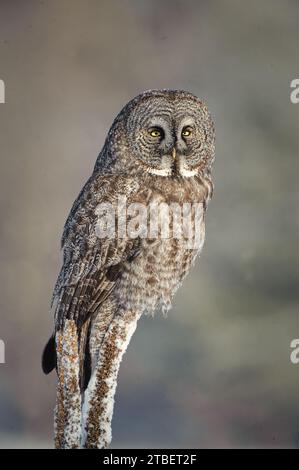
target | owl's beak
[{"x": 174, "y": 166}]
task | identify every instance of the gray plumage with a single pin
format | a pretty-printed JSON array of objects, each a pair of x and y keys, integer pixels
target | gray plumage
[{"x": 104, "y": 278}]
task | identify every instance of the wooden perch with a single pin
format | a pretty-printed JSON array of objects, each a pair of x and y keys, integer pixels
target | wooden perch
[
  {"x": 67, "y": 419},
  {"x": 85, "y": 422}
]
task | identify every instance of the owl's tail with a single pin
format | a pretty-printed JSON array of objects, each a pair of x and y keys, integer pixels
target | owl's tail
[{"x": 49, "y": 358}]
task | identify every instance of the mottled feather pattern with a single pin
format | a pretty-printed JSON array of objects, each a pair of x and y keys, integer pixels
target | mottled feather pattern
[
  {"x": 159, "y": 149},
  {"x": 86, "y": 258}
]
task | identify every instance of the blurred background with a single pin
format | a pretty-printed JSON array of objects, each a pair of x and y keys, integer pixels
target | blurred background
[{"x": 217, "y": 371}]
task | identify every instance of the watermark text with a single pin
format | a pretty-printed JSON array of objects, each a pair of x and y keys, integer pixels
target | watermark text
[
  {"x": 2, "y": 92},
  {"x": 294, "y": 96},
  {"x": 2, "y": 352},
  {"x": 294, "y": 357}
]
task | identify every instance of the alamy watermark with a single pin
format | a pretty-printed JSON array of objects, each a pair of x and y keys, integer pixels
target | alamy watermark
[
  {"x": 294, "y": 356},
  {"x": 294, "y": 96},
  {"x": 153, "y": 221},
  {"x": 2, "y": 352},
  {"x": 2, "y": 91}
]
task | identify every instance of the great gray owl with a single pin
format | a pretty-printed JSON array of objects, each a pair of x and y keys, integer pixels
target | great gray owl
[{"x": 158, "y": 153}]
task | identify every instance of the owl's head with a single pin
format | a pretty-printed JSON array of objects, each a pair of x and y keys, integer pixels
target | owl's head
[{"x": 164, "y": 133}]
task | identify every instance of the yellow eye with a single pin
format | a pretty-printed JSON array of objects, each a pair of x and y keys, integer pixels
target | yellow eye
[
  {"x": 186, "y": 132},
  {"x": 155, "y": 132}
]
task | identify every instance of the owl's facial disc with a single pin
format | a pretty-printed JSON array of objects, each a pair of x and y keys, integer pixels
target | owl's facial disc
[
  {"x": 171, "y": 135},
  {"x": 175, "y": 142}
]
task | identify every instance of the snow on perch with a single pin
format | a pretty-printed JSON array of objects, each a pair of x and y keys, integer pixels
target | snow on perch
[{"x": 86, "y": 423}]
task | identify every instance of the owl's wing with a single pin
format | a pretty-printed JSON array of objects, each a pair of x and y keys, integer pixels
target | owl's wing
[{"x": 91, "y": 265}]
